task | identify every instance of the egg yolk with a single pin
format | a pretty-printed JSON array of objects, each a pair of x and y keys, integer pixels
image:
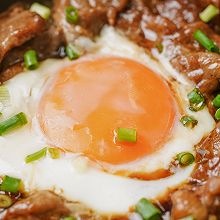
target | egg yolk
[{"x": 86, "y": 102}]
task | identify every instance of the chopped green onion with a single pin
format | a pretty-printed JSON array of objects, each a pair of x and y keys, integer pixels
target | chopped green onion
[
  {"x": 147, "y": 210},
  {"x": 217, "y": 114},
  {"x": 195, "y": 96},
  {"x": 196, "y": 100},
  {"x": 71, "y": 14},
  {"x": 73, "y": 52},
  {"x": 5, "y": 201},
  {"x": 30, "y": 60},
  {"x": 54, "y": 153},
  {"x": 12, "y": 123},
  {"x": 42, "y": 10},
  {"x": 159, "y": 47},
  {"x": 188, "y": 218},
  {"x": 4, "y": 96},
  {"x": 205, "y": 41},
  {"x": 127, "y": 134},
  {"x": 208, "y": 13},
  {"x": 68, "y": 218},
  {"x": 185, "y": 158},
  {"x": 188, "y": 121},
  {"x": 216, "y": 101},
  {"x": 10, "y": 184},
  {"x": 36, "y": 156}
]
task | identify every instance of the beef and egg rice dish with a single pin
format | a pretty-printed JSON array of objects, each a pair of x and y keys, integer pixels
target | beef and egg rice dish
[{"x": 110, "y": 110}]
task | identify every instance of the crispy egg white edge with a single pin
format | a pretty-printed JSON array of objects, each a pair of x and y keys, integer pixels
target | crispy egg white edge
[{"x": 71, "y": 176}]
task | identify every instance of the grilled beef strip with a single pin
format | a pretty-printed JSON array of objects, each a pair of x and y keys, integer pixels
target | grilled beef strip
[
  {"x": 46, "y": 38},
  {"x": 43, "y": 205},
  {"x": 200, "y": 202},
  {"x": 49, "y": 37}
]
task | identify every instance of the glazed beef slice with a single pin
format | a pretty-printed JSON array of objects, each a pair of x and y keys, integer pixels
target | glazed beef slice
[
  {"x": 18, "y": 29},
  {"x": 26, "y": 30},
  {"x": 42, "y": 205},
  {"x": 173, "y": 23},
  {"x": 17, "y": 26}
]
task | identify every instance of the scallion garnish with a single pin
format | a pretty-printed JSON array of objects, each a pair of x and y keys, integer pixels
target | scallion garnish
[
  {"x": 217, "y": 114},
  {"x": 147, "y": 210},
  {"x": 10, "y": 184},
  {"x": 68, "y": 218},
  {"x": 216, "y": 101},
  {"x": 42, "y": 10},
  {"x": 73, "y": 52},
  {"x": 205, "y": 41},
  {"x": 185, "y": 158},
  {"x": 12, "y": 123},
  {"x": 196, "y": 100},
  {"x": 126, "y": 134},
  {"x": 54, "y": 153},
  {"x": 36, "y": 156},
  {"x": 208, "y": 13},
  {"x": 30, "y": 60},
  {"x": 188, "y": 218},
  {"x": 188, "y": 121},
  {"x": 159, "y": 47},
  {"x": 71, "y": 14},
  {"x": 4, "y": 96},
  {"x": 5, "y": 201}
]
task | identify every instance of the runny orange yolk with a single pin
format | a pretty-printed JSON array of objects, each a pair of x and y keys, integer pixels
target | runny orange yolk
[{"x": 87, "y": 101}]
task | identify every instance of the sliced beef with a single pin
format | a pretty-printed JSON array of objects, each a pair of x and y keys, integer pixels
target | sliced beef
[
  {"x": 143, "y": 27},
  {"x": 93, "y": 15},
  {"x": 208, "y": 157},
  {"x": 91, "y": 20},
  {"x": 193, "y": 60},
  {"x": 186, "y": 203},
  {"x": 42, "y": 205},
  {"x": 46, "y": 40},
  {"x": 48, "y": 37},
  {"x": 18, "y": 29},
  {"x": 17, "y": 26},
  {"x": 11, "y": 71},
  {"x": 45, "y": 205},
  {"x": 173, "y": 23},
  {"x": 201, "y": 67},
  {"x": 46, "y": 43},
  {"x": 155, "y": 19},
  {"x": 200, "y": 202}
]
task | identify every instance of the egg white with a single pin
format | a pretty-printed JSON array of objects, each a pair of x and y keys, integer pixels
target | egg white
[{"x": 75, "y": 177}]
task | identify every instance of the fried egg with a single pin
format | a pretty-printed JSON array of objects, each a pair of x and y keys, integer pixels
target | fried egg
[{"x": 77, "y": 105}]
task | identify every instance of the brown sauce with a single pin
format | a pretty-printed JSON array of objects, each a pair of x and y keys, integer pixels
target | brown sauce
[{"x": 159, "y": 174}]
